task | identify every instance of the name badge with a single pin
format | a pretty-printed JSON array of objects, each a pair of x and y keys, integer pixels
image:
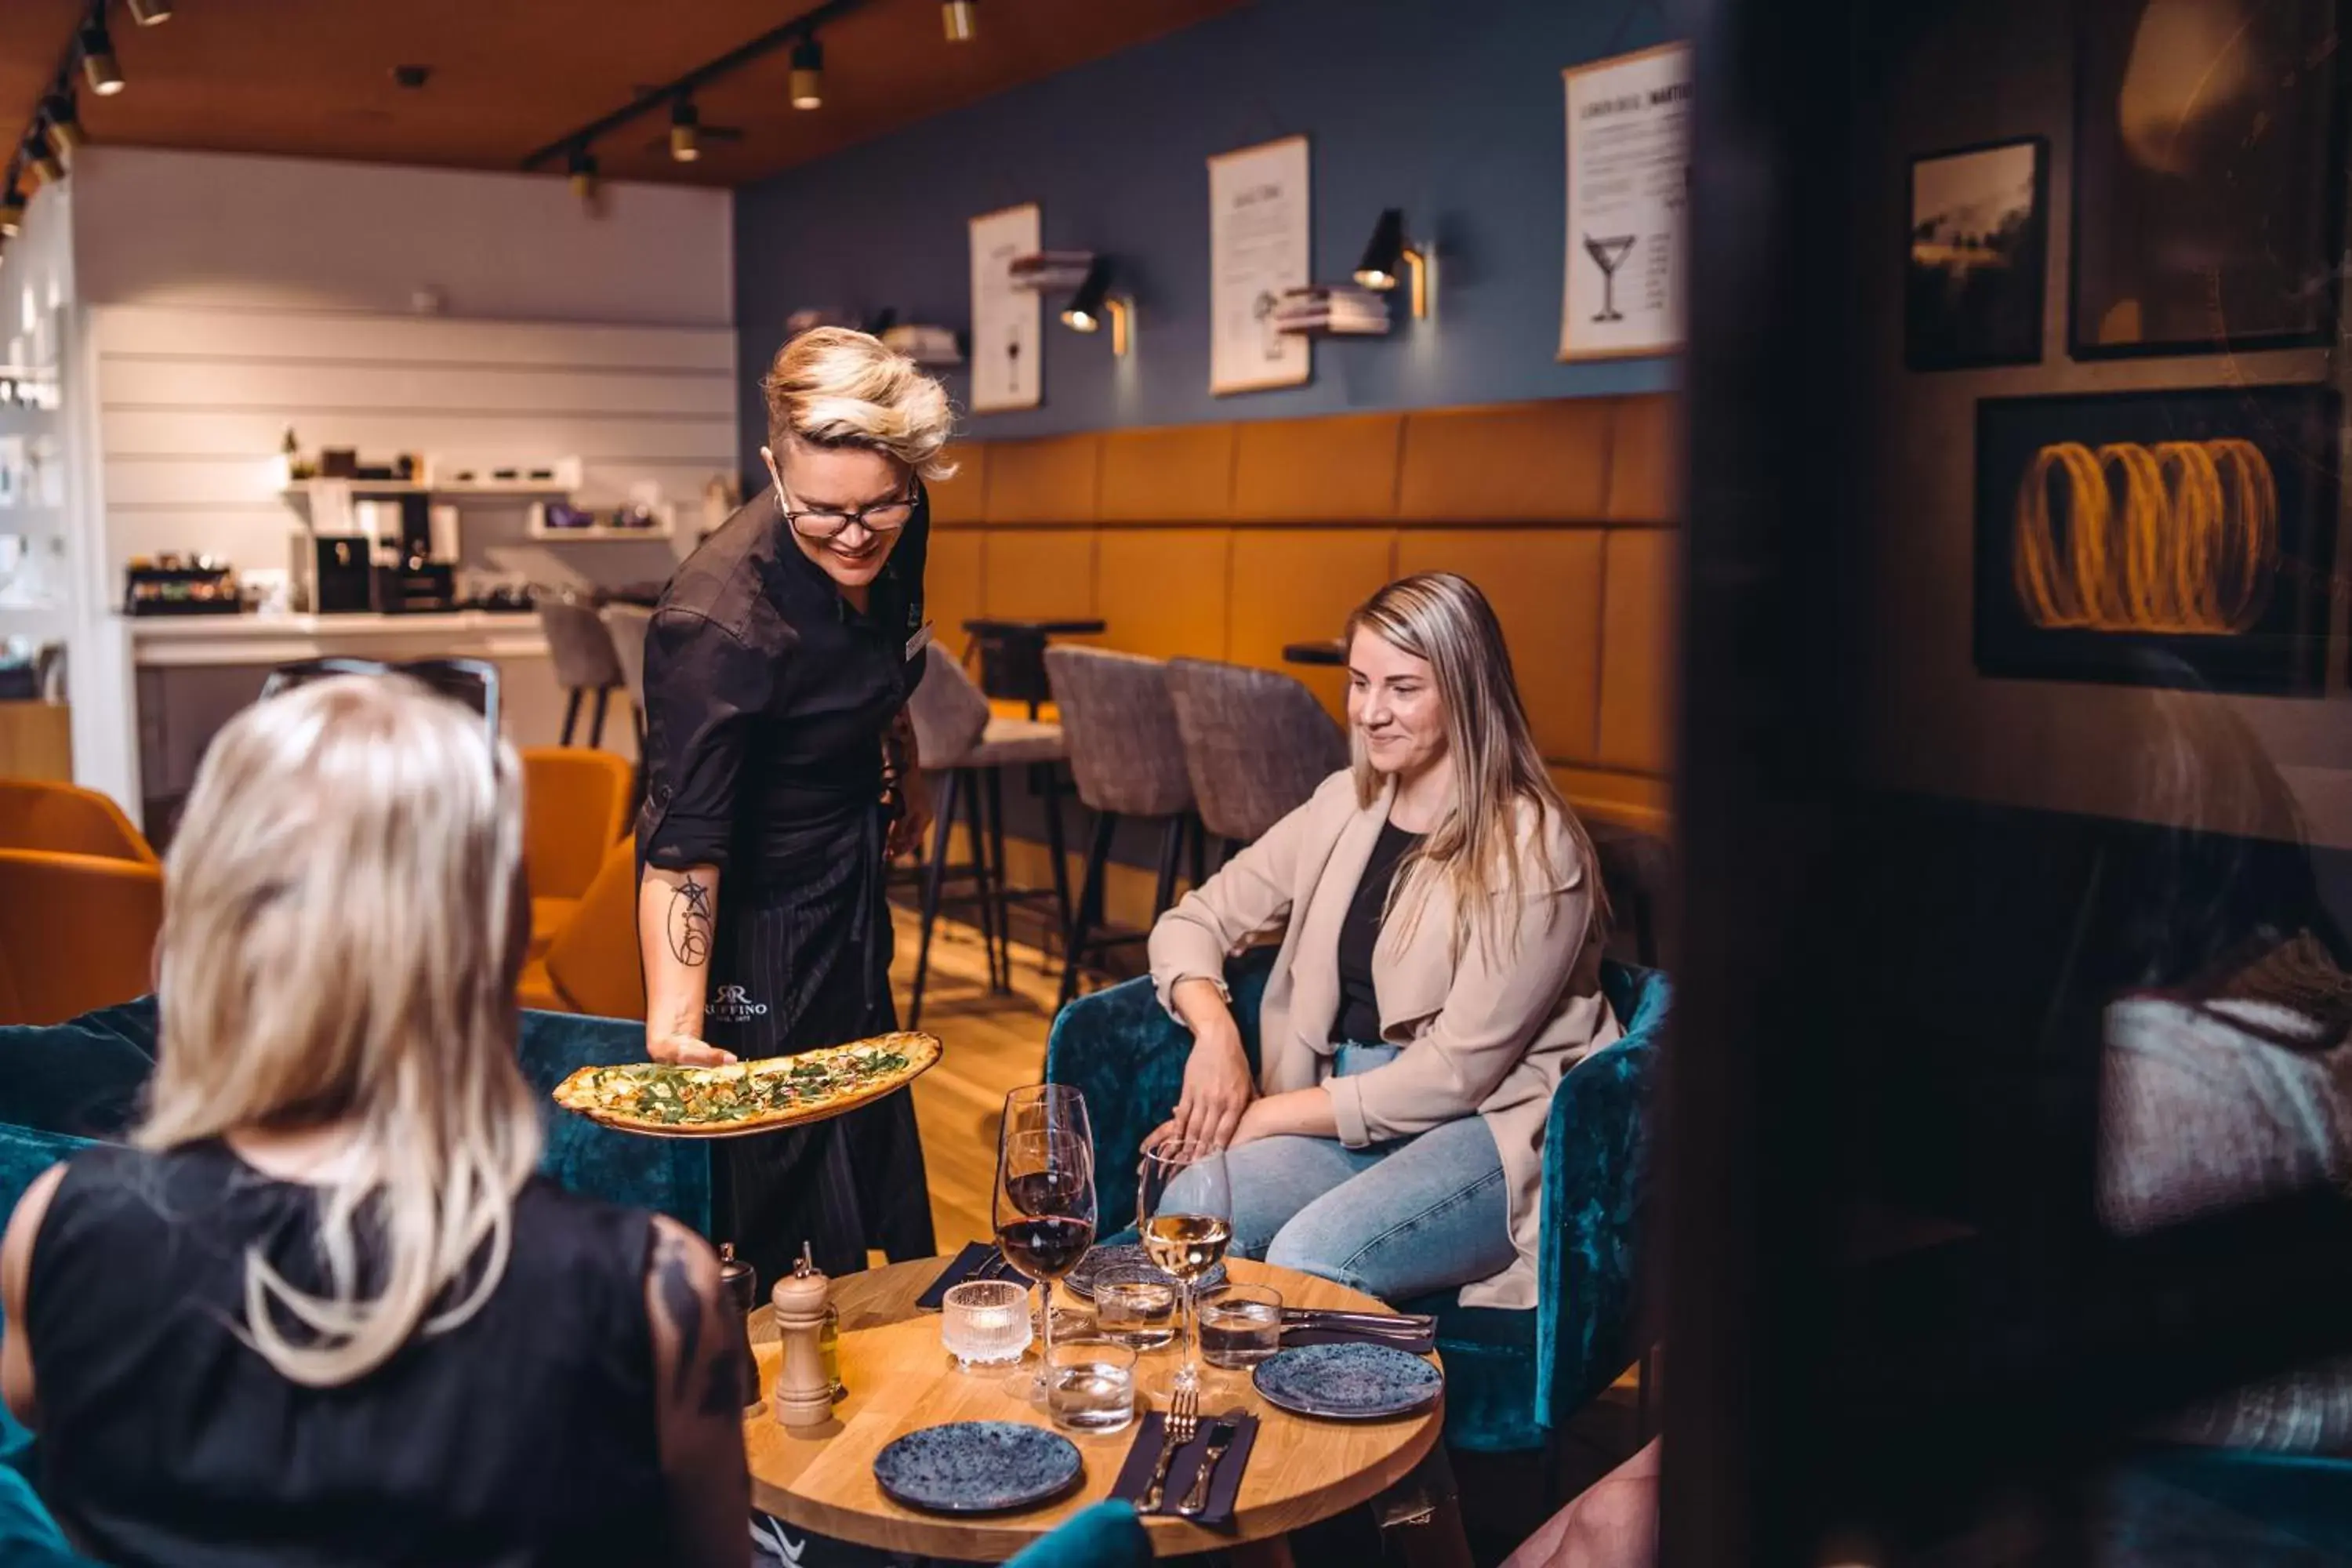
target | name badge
[{"x": 919, "y": 641}]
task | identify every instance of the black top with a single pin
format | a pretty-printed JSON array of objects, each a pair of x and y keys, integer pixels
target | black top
[
  {"x": 1359, "y": 1009},
  {"x": 766, "y": 694},
  {"x": 524, "y": 1436}
]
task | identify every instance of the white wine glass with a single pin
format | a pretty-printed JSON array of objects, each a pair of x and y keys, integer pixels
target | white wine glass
[{"x": 1185, "y": 1206}]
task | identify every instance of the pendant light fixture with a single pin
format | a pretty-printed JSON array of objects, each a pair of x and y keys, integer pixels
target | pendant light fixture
[
  {"x": 97, "y": 65},
  {"x": 151, "y": 12},
  {"x": 685, "y": 130},
  {"x": 65, "y": 131},
  {"x": 960, "y": 18},
  {"x": 808, "y": 74}
]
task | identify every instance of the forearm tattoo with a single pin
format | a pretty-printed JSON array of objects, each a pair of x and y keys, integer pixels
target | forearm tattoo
[{"x": 690, "y": 922}]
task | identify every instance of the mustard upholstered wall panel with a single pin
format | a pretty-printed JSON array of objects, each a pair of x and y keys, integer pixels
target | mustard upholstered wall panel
[
  {"x": 1645, "y": 458},
  {"x": 1181, "y": 473},
  {"x": 1526, "y": 462},
  {"x": 952, "y": 585},
  {"x": 1047, "y": 480},
  {"x": 1298, "y": 584},
  {"x": 1163, "y": 590},
  {"x": 1038, "y": 574},
  {"x": 961, "y": 499},
  {"x": 1637, "y": 649},
  {"x": 1317, "y": 471},
  {"x": 1545, "y": 585}
]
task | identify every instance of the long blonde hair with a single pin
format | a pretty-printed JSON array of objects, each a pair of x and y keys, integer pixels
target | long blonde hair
[
  {"x": 1499, "y": 774},
  {"x": 344, "y": 917},
  {"x": 834, "y": 387}
]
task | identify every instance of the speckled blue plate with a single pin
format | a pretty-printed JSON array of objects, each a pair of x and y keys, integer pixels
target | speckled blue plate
[
  {"x": 1124, "y": 1260},
  {"x": 976, "y": 1466},
  {"x": 1349, "y": 1383}
]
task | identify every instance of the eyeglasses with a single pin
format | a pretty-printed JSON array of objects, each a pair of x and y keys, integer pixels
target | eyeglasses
[
  {"x": 472, "y": 682},
  {"x": 883, "y": 516}
]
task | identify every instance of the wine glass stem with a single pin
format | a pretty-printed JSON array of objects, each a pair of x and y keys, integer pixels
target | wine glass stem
[
  {"x": 1191, "y": 1370},
  {"x": 1046, "y": 1334}
]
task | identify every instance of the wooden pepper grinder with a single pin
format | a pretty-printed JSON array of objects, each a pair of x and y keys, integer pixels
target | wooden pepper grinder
[{"x": 803, "y": 1395}]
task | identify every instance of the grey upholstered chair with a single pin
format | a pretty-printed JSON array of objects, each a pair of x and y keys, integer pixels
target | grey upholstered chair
[
  {"x": 958, "y": 735},
  {"x": 1257, "y": 745},
  {"x": 584, "y": 660},
  {"x": 625, "y": 624},
  {"x": 1128, "y": 758}
]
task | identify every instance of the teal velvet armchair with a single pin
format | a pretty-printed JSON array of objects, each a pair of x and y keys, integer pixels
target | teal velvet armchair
[{"x": 1512, "y": 1376}]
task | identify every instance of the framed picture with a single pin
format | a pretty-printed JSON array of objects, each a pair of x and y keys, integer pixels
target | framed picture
[
  {"x": 1980, "y": 240},
  {"x": 1008, "y": 368},
  {"x": 1629, "y": 130},
  {"x": 2207, "y": 197},
  {"x": 1260, "y": 232},
  {"x": 2119, "y": 536}
]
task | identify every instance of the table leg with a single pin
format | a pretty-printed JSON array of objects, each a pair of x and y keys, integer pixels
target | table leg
[
  {"x": 1424, "y": 1512},
  {"x": 1273, "y": 1551}
]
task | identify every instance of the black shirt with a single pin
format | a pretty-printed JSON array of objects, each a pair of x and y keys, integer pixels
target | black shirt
[
  {"x": 524, "y": 1436},
  {"x": 1359, "y": 1009},
  {"x": 766, "y": 694}
]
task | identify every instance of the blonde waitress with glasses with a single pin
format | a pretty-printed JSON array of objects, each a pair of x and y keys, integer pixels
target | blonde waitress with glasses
[{"x": 781, "y": 774}]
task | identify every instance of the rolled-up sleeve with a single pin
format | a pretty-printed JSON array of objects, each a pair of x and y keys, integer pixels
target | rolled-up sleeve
[
  {"x": 1499, "y": 1002},
  {"x": 703, "y": 687}
]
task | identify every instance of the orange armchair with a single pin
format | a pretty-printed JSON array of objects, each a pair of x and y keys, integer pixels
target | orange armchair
[
  {"x": 66, "y": 820},
  {"x": 593, "y": 967},
  {"x": 575, "y": 804},
  {"x": 76, "y": 932}
]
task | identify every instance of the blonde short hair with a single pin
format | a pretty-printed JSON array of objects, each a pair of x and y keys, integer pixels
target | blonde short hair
[
  {"x": 344, "y": 916},
  {"x": 834, "y": 387}
]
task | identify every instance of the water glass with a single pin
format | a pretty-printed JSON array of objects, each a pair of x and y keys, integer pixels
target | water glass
[
  {"x": 1090, "y": 1386},
  {"x": 1140, "y": 1312},
  {"x": 1241, "y": 1325},
  {"x": 986, "y": 1322}
]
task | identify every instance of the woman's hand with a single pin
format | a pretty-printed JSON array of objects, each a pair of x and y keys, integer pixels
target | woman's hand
[
  {"x": 1217, "y": 1087},
  {"x": 913, "y": 823},
  {"x": 684, "y": 1050}
]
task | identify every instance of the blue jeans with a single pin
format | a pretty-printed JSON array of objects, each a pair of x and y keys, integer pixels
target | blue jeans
[{"x": 1396, "y": 1220}]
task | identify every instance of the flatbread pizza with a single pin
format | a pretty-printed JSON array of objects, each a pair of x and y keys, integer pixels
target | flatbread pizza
[{"x": 748, "y": 1097}]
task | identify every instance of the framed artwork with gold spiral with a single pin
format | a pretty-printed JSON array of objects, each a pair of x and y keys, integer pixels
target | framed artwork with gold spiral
[{"x": 2201, "y": 524}]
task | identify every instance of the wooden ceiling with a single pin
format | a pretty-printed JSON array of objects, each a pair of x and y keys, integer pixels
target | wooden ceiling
[{"x": 314, "y": 79}]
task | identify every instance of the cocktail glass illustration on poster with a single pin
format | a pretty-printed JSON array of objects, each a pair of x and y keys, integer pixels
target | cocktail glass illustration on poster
[
  {"x": 1007, "y": 322},
  {"x": 2199, "y": 525},
  {"x": 1259, "y": 242},
  {"x": 1628, "y": 193},
  {"x": 1980, "y": 232},
  {"x": 2207, "y": 200}
]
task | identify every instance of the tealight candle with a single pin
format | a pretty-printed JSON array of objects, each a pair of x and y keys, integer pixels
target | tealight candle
[{"x": 986, "y": 1322}]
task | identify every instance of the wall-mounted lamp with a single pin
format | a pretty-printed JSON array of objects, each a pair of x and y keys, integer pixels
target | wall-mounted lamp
[
  {"x": 1093, "y": 301},
  {"x": 1391, "y": 253}
]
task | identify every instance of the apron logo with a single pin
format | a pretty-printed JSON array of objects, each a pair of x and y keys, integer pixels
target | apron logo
[{"x": 733, "y": 1004}]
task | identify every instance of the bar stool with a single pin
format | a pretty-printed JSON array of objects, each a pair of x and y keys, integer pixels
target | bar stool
[
  {"x": 1257, "y": 745},
  {"x": 584, "y": 660},
  {"x": 958, "y": 736},
  {"x": 1128, "y": 758}
]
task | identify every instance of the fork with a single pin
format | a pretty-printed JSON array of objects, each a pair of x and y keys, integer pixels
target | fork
[{"x": 1183, "y": 1421}]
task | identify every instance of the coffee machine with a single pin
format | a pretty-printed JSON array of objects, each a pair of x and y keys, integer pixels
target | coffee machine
[
  {"x": 409, "y": 579},
  {"x": 334, "y": 573}
]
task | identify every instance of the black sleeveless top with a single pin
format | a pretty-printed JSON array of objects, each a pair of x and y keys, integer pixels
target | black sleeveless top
[
  {"x": 1358, "y": 1022},
  {"x": 525, "y": 1436}
]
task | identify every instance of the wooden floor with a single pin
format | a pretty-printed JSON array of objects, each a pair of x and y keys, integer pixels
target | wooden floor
[{"x": 995, "y": 1044}]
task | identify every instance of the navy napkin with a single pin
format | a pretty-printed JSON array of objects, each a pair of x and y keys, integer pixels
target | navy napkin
[
  {"x": 1135, "y": 1476},
  {"x": 976, "y": 1261}
]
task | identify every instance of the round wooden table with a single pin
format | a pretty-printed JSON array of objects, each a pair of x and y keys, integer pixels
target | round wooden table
[{"x": 898, "y": 1378}]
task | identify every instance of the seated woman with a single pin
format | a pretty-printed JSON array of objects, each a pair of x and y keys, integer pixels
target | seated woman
[
  {"x": 323, "y": 1310},
  {"x": 1440, "y": 971}
]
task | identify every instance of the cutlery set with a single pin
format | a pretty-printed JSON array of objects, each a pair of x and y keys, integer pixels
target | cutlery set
[{"x": 1183, "y": 1423}]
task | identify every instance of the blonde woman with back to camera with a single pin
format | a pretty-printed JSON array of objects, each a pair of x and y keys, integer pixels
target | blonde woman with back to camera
[
  {"x": 1439, "y": 971},
  {"x": 321, "y": 1310}
]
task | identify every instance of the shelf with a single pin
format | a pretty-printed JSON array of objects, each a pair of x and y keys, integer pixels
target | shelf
[
  {"x": 600, "y": 531},
  {"x": 304, "y": 490}
]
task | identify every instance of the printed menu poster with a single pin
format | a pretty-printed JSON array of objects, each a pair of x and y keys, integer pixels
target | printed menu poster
[
  {"x": 1008, "y": 368},
  {"x": 1257, "y": 248},
  {"x": 1628, "y": 203}
]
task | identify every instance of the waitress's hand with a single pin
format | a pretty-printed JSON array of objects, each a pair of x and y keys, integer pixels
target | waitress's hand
[
  {"x": 913, "y": 823},
  {"x": 684, "y": 1050}
]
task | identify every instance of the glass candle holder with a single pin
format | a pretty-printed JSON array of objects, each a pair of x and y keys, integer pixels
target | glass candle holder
[
  {"x": 986, "y": 1322},
  {"x": 1090, "y": 1386},
  {"x": 1241, "y": 1325}
]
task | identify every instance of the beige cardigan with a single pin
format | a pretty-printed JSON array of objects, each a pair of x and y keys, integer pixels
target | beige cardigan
[{"x": 1489, "y": 1035}]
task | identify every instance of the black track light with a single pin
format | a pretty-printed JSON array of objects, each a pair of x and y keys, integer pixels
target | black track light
[
  {"x": 582, "y": 166},
  {"x": 12, "y": 207},
  {"x": 960, "y": 18},
  {"x": 44, "y": 161},
  {"x": 98, "y": 67},
  {"x": 65, "y": 130},
  {"x": 808, "y": 74},
  {"x": 1094, "y": 303},
  {"x": 685, "y": 130},
  {"x": 1388, "y": 256},
  {"x": 151, "y": 12}
]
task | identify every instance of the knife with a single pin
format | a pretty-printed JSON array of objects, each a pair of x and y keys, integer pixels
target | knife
[
  {"x": 1196, "y": 1501},
  {"x": 1413, "y": 1325}
]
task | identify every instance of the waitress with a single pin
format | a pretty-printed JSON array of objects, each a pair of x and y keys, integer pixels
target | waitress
[{"x": 780, "y": 775}]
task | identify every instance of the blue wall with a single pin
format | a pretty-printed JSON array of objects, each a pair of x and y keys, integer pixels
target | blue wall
[{"x": 1450, "y": 109}]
